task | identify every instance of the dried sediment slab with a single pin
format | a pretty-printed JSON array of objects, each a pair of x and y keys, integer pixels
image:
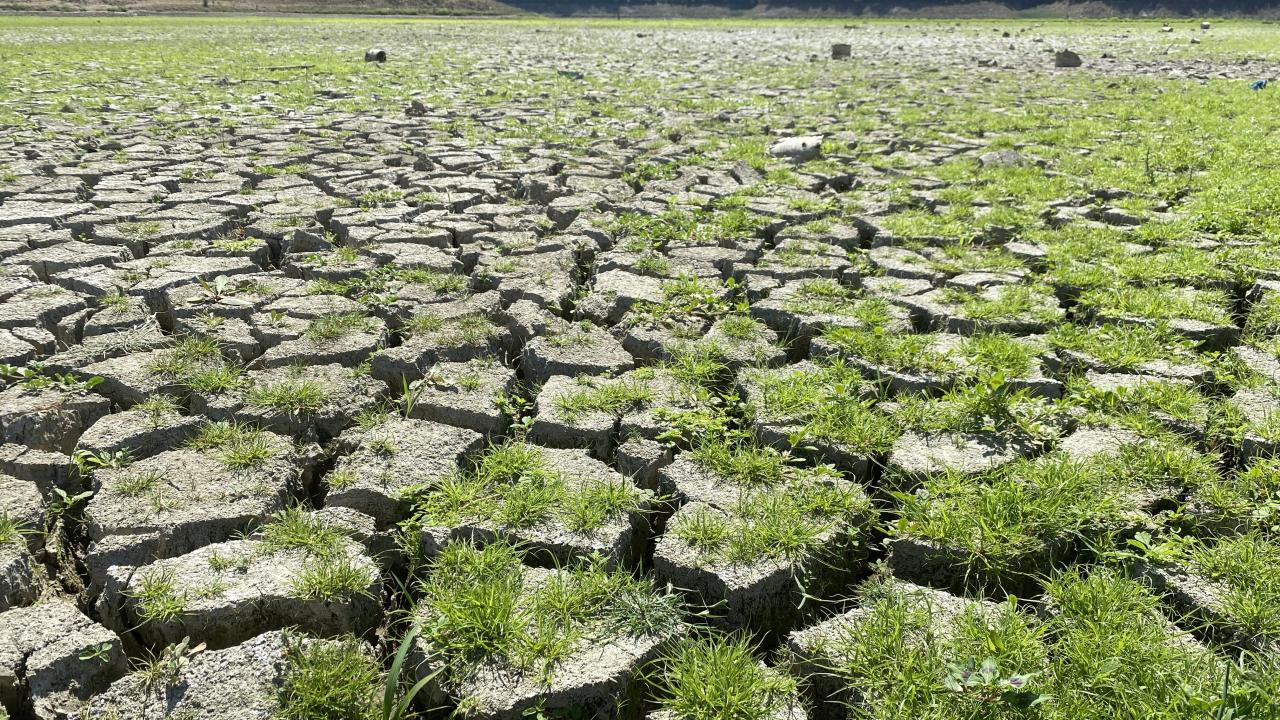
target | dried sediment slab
[
  {"x": 383, "y": 463},
  {"x": 818, "y": 648},
  {"x": 243, "y": 682},
  {"x": 464, "y": 394},
  {"x": 53, "y": 658},
  {"x": 319, "y": 401},
  {"x": 22, "y": 506},
  {"x": 180, "y": 500},
  {"x": 595, "y": 671},
  {"x": 559, "y": 505},
  {"x": 50, "y": 418},
  {"x": 228, "y": 592}
]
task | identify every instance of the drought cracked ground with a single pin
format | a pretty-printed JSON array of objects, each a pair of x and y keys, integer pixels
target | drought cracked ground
[{"x": 667, "y": 370}]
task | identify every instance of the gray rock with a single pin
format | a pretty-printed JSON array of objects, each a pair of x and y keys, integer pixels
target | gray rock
[
  {"x": 1260, "y": 409},
  {"x": 438, "y": 339},
  {"x": 40, "y": 307},
  {"x": 615, "y": 292},
  {"x": 14, "y": 350},
  {"x": 20, "y": 574},
  {"x": 1066, "y": 59},
  {"x": 48, "y": 470},
  {"x": 1003, "y": 159},
  {"x": 556, "y": 426},
  {"x": 1262, "y": 362},
  {"x": 105, "y": 347},
  {"x": 740, "y": 345},
  {"x": 903, "y": 263},
  {"x": 1090, "y": 442}
]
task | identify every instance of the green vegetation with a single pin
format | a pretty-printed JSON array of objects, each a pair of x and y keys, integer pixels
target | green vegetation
[
  {"x": 613, "y": 398},
  {"x": 10, "y": 530},
  {"x": 719, "y": 678},
  {"x": 157, "y": 597},
  {"x": 1248, "y": 497},
  {"x": 327, "y": 328},
  {"x": 238, "y": 446},
  {"x": 824, "y": 405},
  {"x": 331, "y": 578},
  {"x": 292, "y": 396},
  {"x": 463, "y": 330},
  {"x": 197, "y": 364},
  {"x": 683, "y": 297},
  {"x": 1147, "y": 407},
  {"x": 780, "y": 511},
  {"x": 481, "y": 606},
  {"x": 1003, "y": 304},
  {"x": 990, "y": 406},
  {"x": 35, "y": 377},
  {"x": 793, "y": 521},
  {"x": 906, "y": 656},
  {"x": 514, "y": 485},
  {"x": 1104, "y": 651},
  {"x": 1159, "y": 303},
  {"x": 1241, "y": 602},
  {"x": 1248, "y": 566},
  {"x": 827, "y": 297},
  {"x": 902, "y": 352},
  {"x": 330, "y": 680},
  {"x": 1009, "y": 525}
]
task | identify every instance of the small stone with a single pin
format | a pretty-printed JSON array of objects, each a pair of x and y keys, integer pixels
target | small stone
[
  {"x": 377, "y": 55},
  {"x": 1066, "y": 59},
  {"x": 801, "y": 148},
  {"x": 1002, "y": 158},
  {"x": 841, "y": 51}
]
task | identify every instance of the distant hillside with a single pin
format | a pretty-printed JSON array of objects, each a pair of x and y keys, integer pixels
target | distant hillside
[{"x": 678, "y": 8}]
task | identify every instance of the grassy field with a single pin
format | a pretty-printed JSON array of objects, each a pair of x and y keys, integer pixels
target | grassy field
[{"x": 543, "y": 366}]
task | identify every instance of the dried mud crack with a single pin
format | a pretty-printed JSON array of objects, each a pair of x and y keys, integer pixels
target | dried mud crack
[{"x": 625, "y": 370}]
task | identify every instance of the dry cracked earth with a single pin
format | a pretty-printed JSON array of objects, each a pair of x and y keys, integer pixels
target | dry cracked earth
[{"x": 626, "y": 370}]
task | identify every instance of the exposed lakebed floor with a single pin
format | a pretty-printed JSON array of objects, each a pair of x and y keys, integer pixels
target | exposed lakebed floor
[{"x": 664, "y": 370}]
